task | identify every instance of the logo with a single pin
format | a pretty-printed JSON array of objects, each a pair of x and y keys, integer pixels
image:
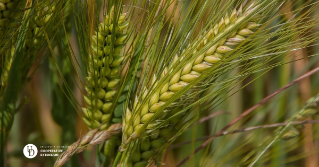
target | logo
[{"x": 30, "y": 151}]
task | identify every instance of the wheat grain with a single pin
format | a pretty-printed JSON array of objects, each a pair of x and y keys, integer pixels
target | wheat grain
[
  {"x": 5, "y": 10},
  {"x": 104, "y": 71}
]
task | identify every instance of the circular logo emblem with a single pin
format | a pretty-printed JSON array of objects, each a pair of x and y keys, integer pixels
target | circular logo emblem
[{"x": 30, "y": 151}]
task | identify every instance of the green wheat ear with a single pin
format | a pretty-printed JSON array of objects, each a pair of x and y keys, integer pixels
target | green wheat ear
[
  {"x": 194, "y": 69},
  {"x": 7, "y": 7},
  {"x": 34, "y": 35},
  {"x": 156, "y": 139},
  {"x": 34, "y": 38},
  {"x": 11, "y": 14},
  {"x": 104, "y": 71}
]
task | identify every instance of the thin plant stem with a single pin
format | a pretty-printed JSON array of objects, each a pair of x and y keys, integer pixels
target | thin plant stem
[
  {"x": 160, "y": 159},
  {"x": 117, "y": 159},
  {"x": 248, "y": 129},
  {"x": 208, "y": 117}
]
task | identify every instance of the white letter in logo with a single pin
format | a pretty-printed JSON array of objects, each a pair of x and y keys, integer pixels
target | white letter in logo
[{"x": 30, "y": 151}]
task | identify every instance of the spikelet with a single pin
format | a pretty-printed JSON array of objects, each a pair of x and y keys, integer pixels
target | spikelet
[
  {"x": 104, "y": 71},
  {"x": 190, "y": 72},
  {"x": 308, "y": 112},
  {"x": 292, "y": 133}
]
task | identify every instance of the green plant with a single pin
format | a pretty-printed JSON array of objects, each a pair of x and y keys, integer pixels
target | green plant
[
  {"x": 21, "y": 39},
  {"x": 33, "y": 41},
  {"x": 160, "y": 106},
  {"x": 143, "y": 113},
  {"x": 151, "y": 72}
]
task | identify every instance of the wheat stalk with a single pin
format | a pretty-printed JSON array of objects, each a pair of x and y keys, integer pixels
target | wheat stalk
[{"x": 92, "y": 137}]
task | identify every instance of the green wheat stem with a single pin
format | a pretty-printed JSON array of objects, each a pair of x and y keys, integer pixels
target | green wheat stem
[{"x": 117, "y": 159}]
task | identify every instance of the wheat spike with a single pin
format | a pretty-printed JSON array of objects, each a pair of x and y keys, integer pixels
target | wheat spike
[
  {"x": 33, "y": 37},
  {"x": 104, "y": 71},
  {"x": 5, "y": 9},
  {"x": 191, "y": 71}
]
